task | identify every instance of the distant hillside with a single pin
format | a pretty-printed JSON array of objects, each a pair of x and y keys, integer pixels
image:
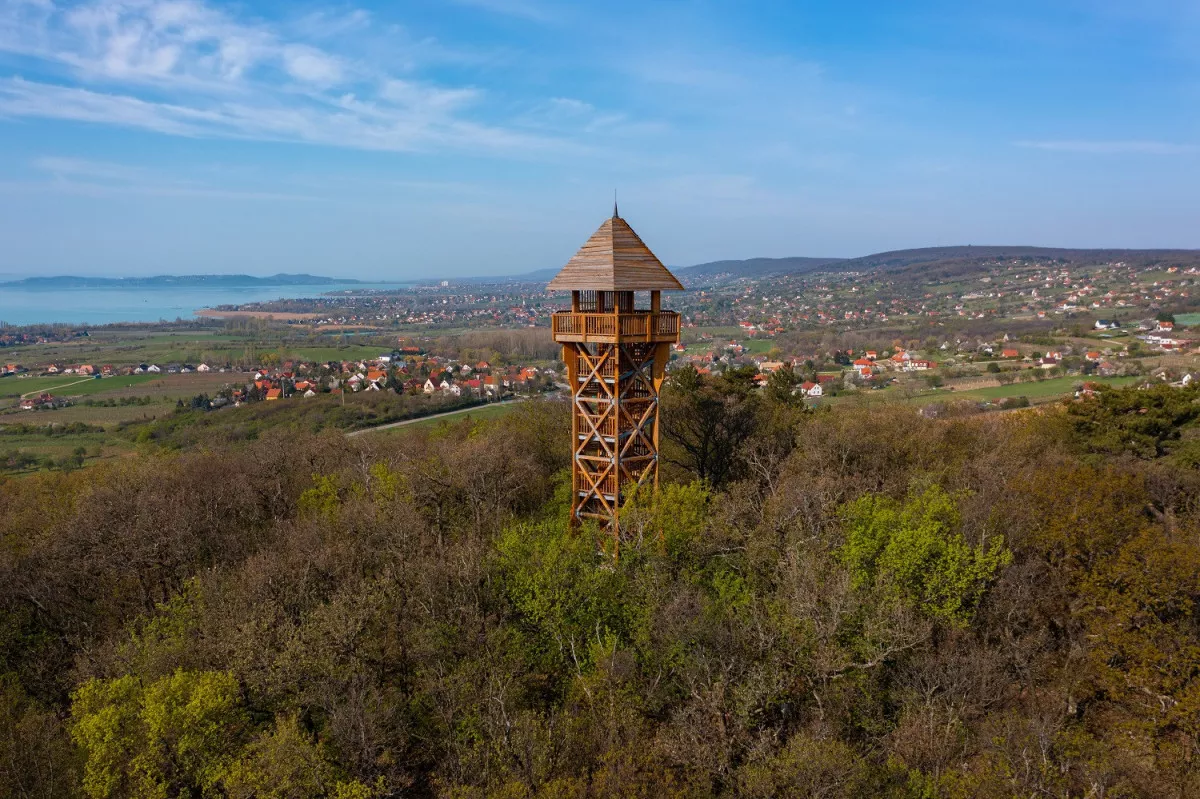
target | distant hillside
[
  {"x": 173, "y": 281},
  {"x": 947, "y": 262},
  {"x": 937, "y": 262},
  {"x": 756, "y": 267},
  {"x": 930, "y": 262}
]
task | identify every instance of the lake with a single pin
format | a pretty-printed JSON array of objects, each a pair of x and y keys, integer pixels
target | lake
[{"x": 21, "y": 306}]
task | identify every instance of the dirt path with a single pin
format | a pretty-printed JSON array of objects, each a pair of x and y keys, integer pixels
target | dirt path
[
  {"x": 444, "y": 414},
  {"x": 55, "y": 388}
]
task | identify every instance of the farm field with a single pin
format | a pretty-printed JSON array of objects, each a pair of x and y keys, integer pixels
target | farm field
[
  {"x": 1054, "y": 387},
  {"x": 187, "y": 346},
  {"x": 1035, "y": 392},
  {"x": 163, "y": 391},
  {"x": 69, "y": 385},
  {"x": 95, "y": 445},
  {"x": 100, "y": 415}
]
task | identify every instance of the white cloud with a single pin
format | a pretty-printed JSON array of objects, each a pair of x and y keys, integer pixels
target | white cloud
[
  {"x": 311, "y": 65},
  {"x": 355, "y": 124},
  {"x": 1111, "y": 147},
  {"x": 189, "y": 68}
]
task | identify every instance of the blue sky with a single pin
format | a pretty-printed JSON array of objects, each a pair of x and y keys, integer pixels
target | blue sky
[{"x": 469, "y": 137}]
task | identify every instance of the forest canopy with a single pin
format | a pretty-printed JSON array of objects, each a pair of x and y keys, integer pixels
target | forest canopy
[{"x": 851, "y": 603}]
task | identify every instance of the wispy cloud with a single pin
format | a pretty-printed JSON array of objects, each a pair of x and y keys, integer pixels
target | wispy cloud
[
  {"x": 1112, "y": 147},
  {"x": 187, "y": 68},
  {"x": 101, "y": 178}
]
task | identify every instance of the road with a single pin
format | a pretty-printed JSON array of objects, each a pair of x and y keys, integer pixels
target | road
[{"x": 390, "y": 425}]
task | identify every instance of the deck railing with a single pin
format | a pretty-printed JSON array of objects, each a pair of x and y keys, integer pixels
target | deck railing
[
  {"x": 607, "y": 484},
  {"x": 607, "y": 325}
]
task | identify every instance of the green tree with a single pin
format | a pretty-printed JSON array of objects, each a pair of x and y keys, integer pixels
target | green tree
[
  {"x": 173, "y": 737},
  {"x": 914, "y": 550}
]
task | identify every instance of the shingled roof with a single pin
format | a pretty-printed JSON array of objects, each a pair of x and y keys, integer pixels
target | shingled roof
[{"x": 614, "y": 259}]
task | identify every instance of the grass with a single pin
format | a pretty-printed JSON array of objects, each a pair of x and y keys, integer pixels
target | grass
[
  {"x": 69, "y": 385},
  {"x": 1187, "y": 319},
  {"x": 97, "y": 415},
  {"x": 1054, "y": 387},
  {"x": 471, "y": 415},
  {"x": 757, "y": 346},
  {"x": 1035, "y": 392},
  {"x": 353, "y": 352},
  {"x": 97, "y": 445}
]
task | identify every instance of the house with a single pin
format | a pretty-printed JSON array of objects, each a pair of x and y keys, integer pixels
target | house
[
  {"x": 309, "y": 393},
  {"x": 274, "y": 393},
  {"x": 430, "y": 386},
  {"x": 871, "y": 355},
  {"x": 811, "y": 389},
  {"x": 153, "y": 370},
  {"x": 1168, "y": 326},
  {"x": 1010, "y": 353},
  {"x": 1107, "y": 324},
  {"x": 919, "y": 365},
  {"x": 1093, "y": 356},
  {"x": 203, "y": 368}
]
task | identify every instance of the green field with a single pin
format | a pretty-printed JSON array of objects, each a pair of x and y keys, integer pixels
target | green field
[
  {"x": 472, "y": 415},
  {"x": 1035, "y": 392},
  {"x": 97, "y": 446},
  {"x": 1054, "y": 387},
  {"x": 353, "y": 352},
  {"x": 70, "y": 385},
  {"x": 1187, "y": 319},
  {"x": 187, "y": 346}
]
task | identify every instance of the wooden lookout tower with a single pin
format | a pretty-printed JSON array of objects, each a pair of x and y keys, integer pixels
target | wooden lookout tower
[{"x": 615, "y": 353}]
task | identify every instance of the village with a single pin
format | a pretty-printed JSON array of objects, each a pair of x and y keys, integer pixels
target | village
[{"x": 403, "y": 371}]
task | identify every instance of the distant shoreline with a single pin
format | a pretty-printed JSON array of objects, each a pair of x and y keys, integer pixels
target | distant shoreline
[{"x": 282, "y": 316}]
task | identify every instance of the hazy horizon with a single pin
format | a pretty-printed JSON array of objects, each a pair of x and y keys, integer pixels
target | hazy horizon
[{"x": 485, "y": 137}]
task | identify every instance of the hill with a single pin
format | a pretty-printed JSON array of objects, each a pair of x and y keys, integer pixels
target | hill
[
  {"x": 938, "y": 262},
  {"x": 757, "y": 267}
]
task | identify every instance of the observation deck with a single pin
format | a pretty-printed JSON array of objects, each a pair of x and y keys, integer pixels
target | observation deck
[{"x": 651, "y": 327}]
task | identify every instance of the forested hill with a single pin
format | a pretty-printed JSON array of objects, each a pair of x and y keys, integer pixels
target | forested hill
[
  {"x": 862, "y": 603},
  {"x": 968, "y": 258},
  {"x": 757, "y": 267},
  {"x": 934, "y": 260},
  {"x": 938, "y": 261}
]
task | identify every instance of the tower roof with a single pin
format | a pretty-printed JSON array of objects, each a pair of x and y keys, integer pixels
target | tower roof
[{"x": 614, "y": 259}]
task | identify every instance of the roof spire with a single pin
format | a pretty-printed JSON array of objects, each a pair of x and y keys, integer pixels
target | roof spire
[{"x": 615, "y": 214}]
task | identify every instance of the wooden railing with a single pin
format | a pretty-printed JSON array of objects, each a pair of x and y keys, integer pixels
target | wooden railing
[
  {"x": 603, "y": 325},
  {"x": 605, "y": 425},
  {"x": 607, "y": 485}
]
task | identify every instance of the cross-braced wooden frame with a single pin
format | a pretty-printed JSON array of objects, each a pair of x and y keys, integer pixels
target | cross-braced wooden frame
[{"x": 614, "y": 424}]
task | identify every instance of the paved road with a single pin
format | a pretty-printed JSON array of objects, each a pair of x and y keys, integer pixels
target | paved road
[{"x": 390, "y": 425}]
